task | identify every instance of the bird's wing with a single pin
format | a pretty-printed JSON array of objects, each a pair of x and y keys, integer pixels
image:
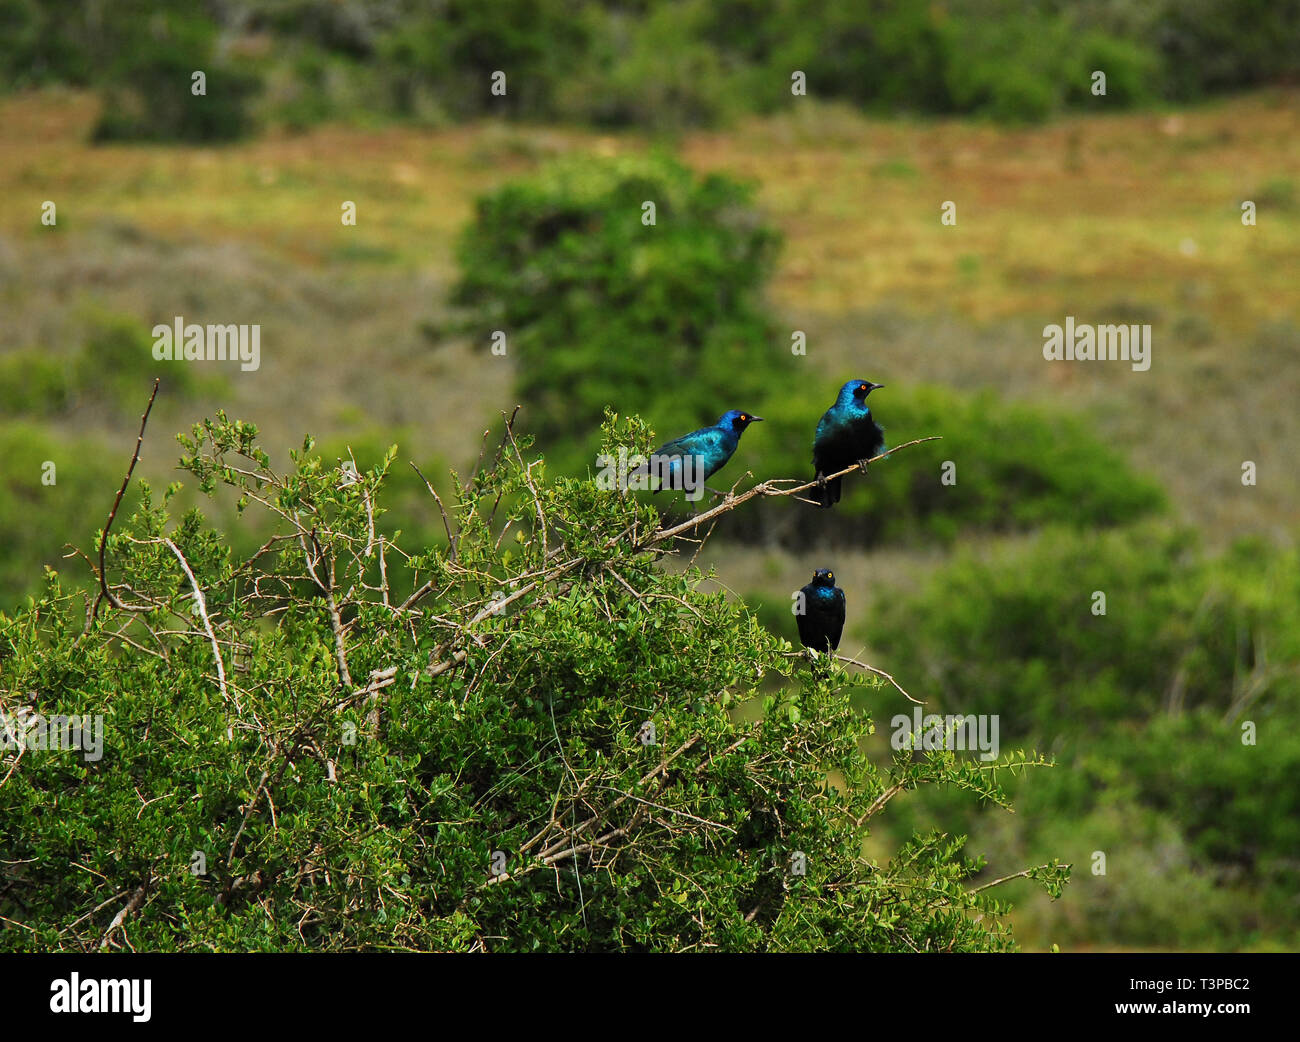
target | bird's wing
[
  {"x": 827, "y": 419},
  {"x": 803, "y": 619},
  {"x": 825, "y": 427},
  {"x": 823, "y": 424},
  {"x": 693, "y": 444}
]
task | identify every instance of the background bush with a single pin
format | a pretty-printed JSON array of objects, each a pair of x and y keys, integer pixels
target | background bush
[
  {"x": 148, "y": 92},
  {"x": 1143, "y": 708},
  {"x": 38, "y": 522},
  {"x": 661, "y": 64},
  {"x": 603, "y": 311}
]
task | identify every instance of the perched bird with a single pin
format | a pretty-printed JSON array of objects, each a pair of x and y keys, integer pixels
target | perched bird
[
  {"x": 687, "y": 462},
  {"x": 822, "y": 620},
  {"x": 846, "y": 434}
]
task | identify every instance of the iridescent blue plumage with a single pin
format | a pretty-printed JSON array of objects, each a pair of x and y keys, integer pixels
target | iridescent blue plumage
[
  {"x": 846, "y": 434},
  {"x": 822, "y": 620},
  {"x": 708, "y": 449}
]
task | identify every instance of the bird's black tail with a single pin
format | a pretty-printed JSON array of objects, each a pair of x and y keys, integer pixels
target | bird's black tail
[{"x": 828, "y": 494}]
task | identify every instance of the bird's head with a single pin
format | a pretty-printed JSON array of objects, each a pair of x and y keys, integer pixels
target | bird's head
[
  {"x": 857, "y": 390},
  {"x": 823, "y": 577},
  {"x": 737, "y": 420}
]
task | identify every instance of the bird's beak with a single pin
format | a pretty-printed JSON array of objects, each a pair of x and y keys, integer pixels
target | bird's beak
[
  {"x": 874, "y": 387},
  {"x": 756, "y": 419}
]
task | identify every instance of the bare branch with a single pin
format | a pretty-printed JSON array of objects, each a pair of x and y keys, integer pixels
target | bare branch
[
  {"x": 766, "y": 488},
  {"x": 202, "y": 606},
  {"x": 446, "y": 521},
  {"x": 134, "y": 903},
  {"x": 882, "y": 674},
  {"x": 1023, "y": 874},
  {"x": 104, "y": 591},
  {"x": 880, "y": 802}
]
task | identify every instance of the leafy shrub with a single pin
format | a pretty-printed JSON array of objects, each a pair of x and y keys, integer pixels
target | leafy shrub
[
  {"x": 406, "y": 519},
  {"x": 296, "y": 760},
  {"x": 1024, "y": 65},
  {"x": 453, "y": 53},
  {"x": 148, "y": 84},
  {"x": 1213, "y": 47},
  {"x": 44, "y": 45},
  {"x": 659, "y": 65},
  {"x": 1237, "y": 804},
  {"x": 1133, "y": 71},
  {"x": 600, "y": 309},
  {"x": 663, "y": 75},
  {"x": 888, "y": 56},
  {"x": 1173, "y": 629}
]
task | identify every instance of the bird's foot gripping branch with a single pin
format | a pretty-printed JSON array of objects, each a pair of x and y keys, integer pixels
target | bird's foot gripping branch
[{"x": 529, "y": 736}]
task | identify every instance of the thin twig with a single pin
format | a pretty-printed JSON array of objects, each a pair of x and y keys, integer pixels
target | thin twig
[
  {"x": 882, "y": 674},
  {"x": 880, "y": 801},
  {"x": 104, "y": 591},
  {"x": 1006, "y": 879},
  {"x": 869, "y": 668},
  {"x": 446, "y": 522}
]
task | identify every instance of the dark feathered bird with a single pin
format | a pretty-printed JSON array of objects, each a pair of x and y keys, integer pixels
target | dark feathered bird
[
  {"x": 822, "y": 619},
  {"x": 847, "y": 434},
  {"x": 693, "y": 458}
]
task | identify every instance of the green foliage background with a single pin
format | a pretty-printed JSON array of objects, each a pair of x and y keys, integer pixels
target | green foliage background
[{"x": 663, "y": 64}]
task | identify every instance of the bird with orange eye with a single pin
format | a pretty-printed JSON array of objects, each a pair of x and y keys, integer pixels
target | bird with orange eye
[
  {"x": 846, "y": 434},
  {"x": 699, "y": 455}
]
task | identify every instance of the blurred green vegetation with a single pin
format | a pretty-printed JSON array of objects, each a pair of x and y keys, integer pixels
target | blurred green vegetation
[
  {"x": 1013, "y": 467},
  {"x": 1177, "y": 712},
  {"x": 50, "y": 488},
  {"x": 1016, "y": 632},
  {"x": 106, "y": 371},
  {"x": 617, "y": 63},
  {"x": 601, "y": 309}
]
